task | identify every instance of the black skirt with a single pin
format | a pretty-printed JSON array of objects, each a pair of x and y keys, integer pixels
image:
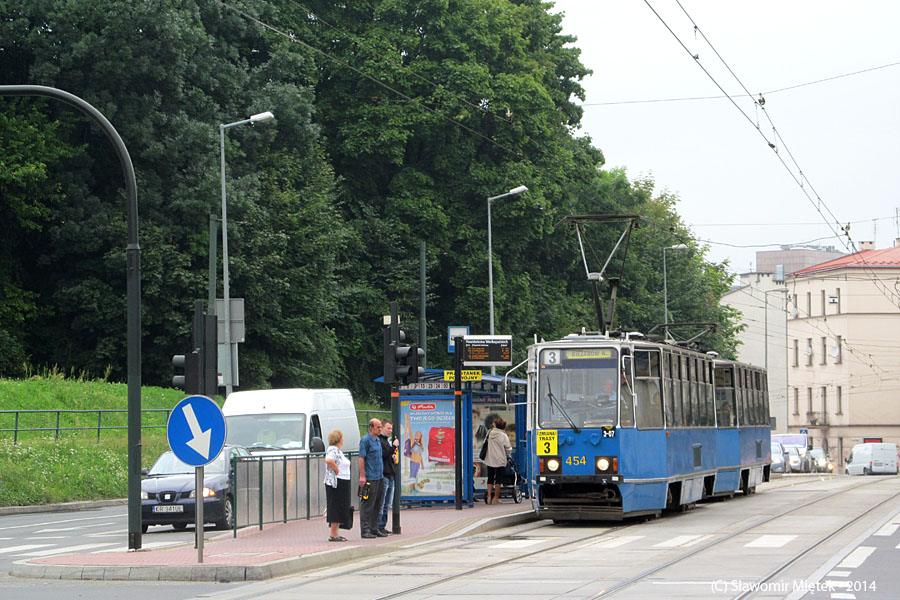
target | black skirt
[{"x": 338, "y": 501}]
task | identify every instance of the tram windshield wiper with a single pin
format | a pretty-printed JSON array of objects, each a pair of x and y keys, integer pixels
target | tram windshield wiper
[{"x": 559, "y": 405}]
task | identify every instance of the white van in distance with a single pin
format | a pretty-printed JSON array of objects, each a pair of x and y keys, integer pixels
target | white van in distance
[
  {"x": 290, "y": 421},
  {"x": 868, "y": 459}
]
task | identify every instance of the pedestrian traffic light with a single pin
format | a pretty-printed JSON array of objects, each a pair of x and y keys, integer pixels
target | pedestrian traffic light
[
  {"x": 413, "y": 357},
  {"x": 190, "y": 381}
]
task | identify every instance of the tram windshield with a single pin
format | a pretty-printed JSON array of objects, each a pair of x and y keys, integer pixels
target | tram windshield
[{"x": 578, "y": 387}]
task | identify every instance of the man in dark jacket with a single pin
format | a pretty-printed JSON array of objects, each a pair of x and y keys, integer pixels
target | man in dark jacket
[{"x": 390, "y": 453}]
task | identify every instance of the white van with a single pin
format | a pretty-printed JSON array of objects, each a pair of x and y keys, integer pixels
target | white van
[
  {"x": 292, "y": 421},
  {"x": 866, "y": 459}
]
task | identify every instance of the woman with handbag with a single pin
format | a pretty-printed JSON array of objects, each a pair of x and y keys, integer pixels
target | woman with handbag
[{"x": 337, "y": 485}]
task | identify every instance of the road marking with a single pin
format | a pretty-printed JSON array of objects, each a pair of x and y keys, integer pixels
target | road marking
[
  {"x": 66, "y": 549},
  {"x": 62, "y": 521},
  {"x": 678, "y": 540},
  {"x": 842, "y": 596},
  {"x": 49, "y": 537},
  {"x": 770, "y": 541},
  {"x": 888, "y": 529},
  {"x": 517, "y": 543},
  {"x": 857, "y": 557},
  {"x": 113, "y": 533},
  {"x": 845, "y": 585},
  {"x": 22, "y": 548},
  {"x": 57, "y": 529},
  {"x": 838, "y": 573},
  {"x": 614, "y": 542}
]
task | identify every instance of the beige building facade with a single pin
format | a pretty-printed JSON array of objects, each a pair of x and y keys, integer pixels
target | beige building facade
[{"x": 843, "y": 350}]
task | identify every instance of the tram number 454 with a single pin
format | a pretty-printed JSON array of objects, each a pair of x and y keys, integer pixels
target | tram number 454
[{"x": 576, "y": 460}]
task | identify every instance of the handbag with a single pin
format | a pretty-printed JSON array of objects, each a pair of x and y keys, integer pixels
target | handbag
[
  {"x": 348, "y": 524},
  {"x": 483, "y": 454}
]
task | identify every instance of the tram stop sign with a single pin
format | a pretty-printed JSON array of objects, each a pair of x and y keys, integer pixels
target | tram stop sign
[{"x": 196, "y": 431}]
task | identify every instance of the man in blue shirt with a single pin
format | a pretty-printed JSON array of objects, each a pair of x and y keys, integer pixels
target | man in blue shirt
[{"x": 371, "y": 472}]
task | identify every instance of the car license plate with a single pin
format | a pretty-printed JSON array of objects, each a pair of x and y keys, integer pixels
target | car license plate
[{"x": 172, "y": 508}]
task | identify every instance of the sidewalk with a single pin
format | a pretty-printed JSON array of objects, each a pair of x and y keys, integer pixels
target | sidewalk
[{"x": 278, "y": 549}]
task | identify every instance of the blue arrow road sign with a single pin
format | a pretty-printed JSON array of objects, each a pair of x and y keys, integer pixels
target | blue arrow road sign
[{"x": 196, "y": 431}]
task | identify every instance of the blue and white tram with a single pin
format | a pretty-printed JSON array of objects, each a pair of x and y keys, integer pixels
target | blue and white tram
[{"x": 623, "y": 427}]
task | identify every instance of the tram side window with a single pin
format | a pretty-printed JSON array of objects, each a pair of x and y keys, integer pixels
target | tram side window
[
  {"x": 696, "y": 415},
  {"x": 757, "y": 399},
  {"x": 710, "y": 393},
  {"x": 747, "y": 398},
  {"x": 648, "y": 401},
  {"x": 626, "y": 399},
  {"x": 667, "y": 389},
  {"x": 725, "y": 409},
  {"x": 765, "y": 395},
  {"x": 678, "y": 410}
]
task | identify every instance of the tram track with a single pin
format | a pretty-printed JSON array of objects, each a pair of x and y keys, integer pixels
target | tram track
[{"x": 774, "y": 573}]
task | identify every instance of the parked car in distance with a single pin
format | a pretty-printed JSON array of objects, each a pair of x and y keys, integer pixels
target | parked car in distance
[
  {"x": 168, "y": 495},
  {"x": 801, "y": 442},
  {"x": 870, "y": 459},
  {"x": 793, "y": 459},
  {"x": 821, "y": 461},
  {"x": 780, "y": 463}
]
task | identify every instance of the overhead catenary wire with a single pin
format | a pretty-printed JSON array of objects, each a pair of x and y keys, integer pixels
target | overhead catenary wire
[{"x": 799, "y": 178}]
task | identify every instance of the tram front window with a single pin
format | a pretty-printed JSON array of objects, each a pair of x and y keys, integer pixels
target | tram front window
[{"x": 578, "y": 387}]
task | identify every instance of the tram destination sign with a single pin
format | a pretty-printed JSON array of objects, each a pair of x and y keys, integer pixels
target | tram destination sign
[{"x": 488, "y": 351}]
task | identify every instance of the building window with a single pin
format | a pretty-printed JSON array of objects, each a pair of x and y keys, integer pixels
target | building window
[
  {"x": 838, "y": 400},
  {"x": 809, "y": 399},
  {"x": 837, "y": 294},
  {"x": 824, "y": 399},
  {"x": 837, "y": 357},
  {"x": 796, "y": 401},
  {"x": 796, "y": 306},
  {"x": 808, "y": 304},
  {"x": 809, "y": 352},
  {"x": 796, "y": 353},
  {"x": 823, "y": 303},
  {"x": 824, "y": 350}
]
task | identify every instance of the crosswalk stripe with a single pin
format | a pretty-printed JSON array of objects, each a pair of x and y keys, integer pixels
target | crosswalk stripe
[
  {"x": 61, "y": 521},
  {"x": 857, "y": 557},
  {"x": 517, "y": 543},
  {"x": 770, "y": 541},
  {"x": 65, "y": 549},
  {"x": 678, "y": 540},
  {"x": 22, "y": 548},
  {"x": 73, "y": 528},
  {"x": 888, "y": 529},
  {"x": 614, "y": 542}
]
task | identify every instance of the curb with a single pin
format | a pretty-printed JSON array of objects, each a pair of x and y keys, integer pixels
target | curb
[
  {"x": 64, "y": 507},
  {"x": 278, "y": 568}
]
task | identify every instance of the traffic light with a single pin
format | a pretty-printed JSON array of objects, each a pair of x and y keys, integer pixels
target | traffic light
[
  {"x": 401, "y": 361},
  {"x": 190, "y": 382}
]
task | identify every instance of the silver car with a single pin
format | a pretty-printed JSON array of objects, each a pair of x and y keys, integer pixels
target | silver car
[{"x": 780, "y": 463}]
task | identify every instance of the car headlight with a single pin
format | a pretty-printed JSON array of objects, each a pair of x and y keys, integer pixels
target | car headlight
[
  {"x": 553, "y": 465},
  {"x": 603, "y": 463},
  {"x": 144, "y": 495},
  {"x": 207, "y": 493}
]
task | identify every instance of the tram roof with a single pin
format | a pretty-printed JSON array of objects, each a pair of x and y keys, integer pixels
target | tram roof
[{"x": 435, "y": 375}]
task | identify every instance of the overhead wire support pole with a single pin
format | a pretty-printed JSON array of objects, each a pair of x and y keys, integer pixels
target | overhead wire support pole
[{"x": 133, "y": 284}]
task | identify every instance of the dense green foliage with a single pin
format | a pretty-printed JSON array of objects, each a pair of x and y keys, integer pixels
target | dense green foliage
[{"x": 395, "y": 120}]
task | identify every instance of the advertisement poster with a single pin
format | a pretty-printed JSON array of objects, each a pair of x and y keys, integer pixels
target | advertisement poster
[
  {"x": 428, "y": 451},
  {"x": 483, "y": 417}
]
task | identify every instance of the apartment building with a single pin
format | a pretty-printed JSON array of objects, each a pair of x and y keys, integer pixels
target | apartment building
[{"x": 843, "y": 351}]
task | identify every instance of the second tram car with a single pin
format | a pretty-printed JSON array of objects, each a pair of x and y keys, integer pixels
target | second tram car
[{"x": 623, "y": 427}]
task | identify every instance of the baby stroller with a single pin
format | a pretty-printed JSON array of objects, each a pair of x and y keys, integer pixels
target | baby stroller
[{"x": 510, "y": 482}]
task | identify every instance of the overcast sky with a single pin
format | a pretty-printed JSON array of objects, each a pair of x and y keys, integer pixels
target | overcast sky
[{"x": 733, "y": 189}]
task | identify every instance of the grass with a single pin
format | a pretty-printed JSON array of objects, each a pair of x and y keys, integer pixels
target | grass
[{"x": 41, "y": 470}]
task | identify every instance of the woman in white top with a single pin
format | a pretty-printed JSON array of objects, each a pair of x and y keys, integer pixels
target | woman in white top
[
  {"x": 498, "y": 449},
  {"x": 337, "y": 485}
]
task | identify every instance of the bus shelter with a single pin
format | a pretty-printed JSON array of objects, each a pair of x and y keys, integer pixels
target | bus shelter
[{"x": 427, "y": 434}]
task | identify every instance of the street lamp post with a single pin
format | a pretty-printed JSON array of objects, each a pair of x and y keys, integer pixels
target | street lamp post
[
  {"x": 666, "y": 288},
  {"x": 766, "y": 338},
  {"x": 513, "y": 192},
  {"x": 257, "y": 118}
]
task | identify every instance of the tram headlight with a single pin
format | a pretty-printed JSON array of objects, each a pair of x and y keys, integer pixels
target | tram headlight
[
  {"x": 553, "y": 465},
  {"x": 606, "y": 464}
]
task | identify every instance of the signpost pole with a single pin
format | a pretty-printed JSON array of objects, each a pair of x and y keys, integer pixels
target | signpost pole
[
  {"x": 398, "y": 472},
  {"x": 198, "y": 512},
  {"x": 459, "y": 349}
]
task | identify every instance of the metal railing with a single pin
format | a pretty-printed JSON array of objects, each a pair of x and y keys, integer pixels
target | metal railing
[
  {"x": 282, "y": 488},
  {"x": 15, "y": 429},
  {"x": 99, "y": 427}
]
